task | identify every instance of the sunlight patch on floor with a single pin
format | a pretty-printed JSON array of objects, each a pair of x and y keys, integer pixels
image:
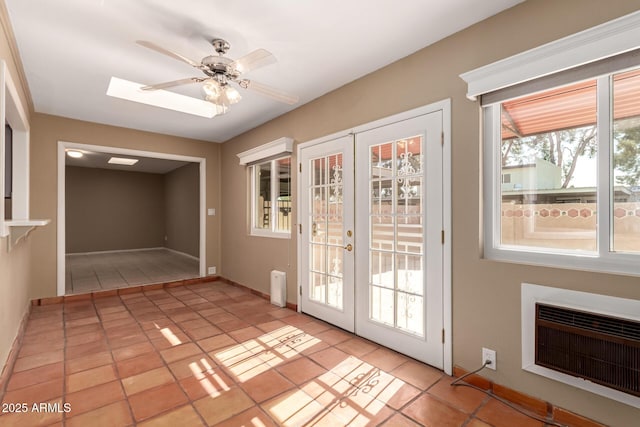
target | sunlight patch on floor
[
  {"x": 170, "y": 336},
  {"x": 255, "y": 356}
]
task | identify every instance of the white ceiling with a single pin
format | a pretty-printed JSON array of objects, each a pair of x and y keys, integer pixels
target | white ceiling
[{"x": 71, "y": 48}]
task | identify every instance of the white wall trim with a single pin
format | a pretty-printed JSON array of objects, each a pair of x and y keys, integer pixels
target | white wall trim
[
  {"x": 155, "y": 248},
  {"x": 445, "y": 107},
  {"x": 280, "y": 146},
  {"x": 61, "y": 229},
  {"x": 595, "y": 303},
  {"x": 611, "y": 38},
  {"x": 13, "y": 112}
]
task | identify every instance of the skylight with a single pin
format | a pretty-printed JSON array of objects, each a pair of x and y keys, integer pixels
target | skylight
[
  {"x": 131, "y": 91},
  {"x": 122, "y": 161}
]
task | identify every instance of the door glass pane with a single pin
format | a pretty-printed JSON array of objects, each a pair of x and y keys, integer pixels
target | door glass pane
[
  {"x": 396, "y": 283},
  {"x": 382, "y": 228},
  {"x": 382, "y": 273},
  {"x": 626, "y": 161},
  {"x": 410, "y": 313},
  {"x": 409, "y": 268},
  {"x": 318, "y": 258},
  {"x": 334, "y": 266},
  {"x": 318, "y": 287},
  {"x": 334, "y": 233},
  {"x": 326, "y": 230},
  {"x": 409, "y": 163},
  {"x": 382, "y": 305},
  {"x": 334, "y": 292},
  {"x": 409, "y": 237},
  {"x": 318, "y": 171}
]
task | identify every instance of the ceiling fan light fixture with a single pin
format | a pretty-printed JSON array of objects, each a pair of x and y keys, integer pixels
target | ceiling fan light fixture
[
  {"x": 221, "y": 95},
  {"x": 232, "y": 94},
  {"x": 211, "y": 91}
]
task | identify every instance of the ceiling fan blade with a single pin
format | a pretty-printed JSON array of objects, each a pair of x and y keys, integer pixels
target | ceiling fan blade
[
  {"x": 173, "y": 83},
  {"x": 271, "y": 92},
  {"x": 256, "y": 59},
  {"x": 174, "y": 55}
]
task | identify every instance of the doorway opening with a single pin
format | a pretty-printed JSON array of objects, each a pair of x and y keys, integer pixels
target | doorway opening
[{"x": 128, "y": 217}]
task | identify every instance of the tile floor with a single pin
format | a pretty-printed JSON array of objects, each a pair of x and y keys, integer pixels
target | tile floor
[
  {"x": 111, "y": 270},
  {"x": 213, "y": 354}
]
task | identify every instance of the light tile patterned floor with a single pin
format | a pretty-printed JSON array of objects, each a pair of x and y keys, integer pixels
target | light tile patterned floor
[
  {"x": 112, "y": 270},
  {"x": 213, "y": 354}
]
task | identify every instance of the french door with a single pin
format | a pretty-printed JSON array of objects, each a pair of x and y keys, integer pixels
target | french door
[
  {"x": 327, "y": 220},
  {"x": 372, "y": 254}
]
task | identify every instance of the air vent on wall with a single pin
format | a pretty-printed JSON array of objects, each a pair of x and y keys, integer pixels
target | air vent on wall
[{"x": 598, "y": 348}]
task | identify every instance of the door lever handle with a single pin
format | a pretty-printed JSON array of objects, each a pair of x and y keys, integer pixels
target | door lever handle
[{"x": 349, "y": 247}]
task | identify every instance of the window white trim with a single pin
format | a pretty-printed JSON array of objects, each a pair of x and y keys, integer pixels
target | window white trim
[
  {"x": 13, "y": 112},
  {"x": 282, "y": 146},
  {"x": 603, "y": 41}
]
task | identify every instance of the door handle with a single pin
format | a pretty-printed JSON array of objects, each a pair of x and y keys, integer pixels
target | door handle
[{"x": 349, "y": 247}]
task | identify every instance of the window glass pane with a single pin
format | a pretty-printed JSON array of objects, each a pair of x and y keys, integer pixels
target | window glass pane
[
  {"x": 284, "y": 195},
  {"x": 262, "y": 185},
  {"x": 626, "y": 162},
  {"x": 549, "y": 169}
]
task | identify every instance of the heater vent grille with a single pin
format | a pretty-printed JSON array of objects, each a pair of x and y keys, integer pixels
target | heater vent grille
[{"x": 602, "y": 349}]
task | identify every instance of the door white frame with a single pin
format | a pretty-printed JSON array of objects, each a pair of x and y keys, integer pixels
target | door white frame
[
  {"x": 61, "y": 217},
  {"x": 445, "y": 107}
]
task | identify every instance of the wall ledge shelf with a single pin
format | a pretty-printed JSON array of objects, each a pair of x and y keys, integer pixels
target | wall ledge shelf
[{"x": 17, "y": 229}]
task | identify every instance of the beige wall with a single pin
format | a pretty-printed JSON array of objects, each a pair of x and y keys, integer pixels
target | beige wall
[
  {"x": 15, "y": 266},
  {"x": 113, "y": 209},
  {"x": 48, "y": 130},
  {"x": 486, "y": 294},
  {"x": 182, "y": 218}
]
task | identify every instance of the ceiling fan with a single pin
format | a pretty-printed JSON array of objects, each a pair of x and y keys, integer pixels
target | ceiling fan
[{"x": 219, "y": 74}]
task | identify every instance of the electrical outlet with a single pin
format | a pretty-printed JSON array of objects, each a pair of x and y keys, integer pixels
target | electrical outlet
[
  {"x": 489, "y": 355},
  {"x": 212, "y": 270}
]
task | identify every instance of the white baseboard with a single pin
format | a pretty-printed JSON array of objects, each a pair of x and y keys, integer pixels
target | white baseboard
[
  {"x": 116, "y": 250},
  {"x": 182, "y": 253}
]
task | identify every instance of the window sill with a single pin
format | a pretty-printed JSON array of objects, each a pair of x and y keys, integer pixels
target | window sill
[
  {"x": 610, "y": 263},
  {"x": 19, "y": 229},
  {"x": 260, "y": 233}
]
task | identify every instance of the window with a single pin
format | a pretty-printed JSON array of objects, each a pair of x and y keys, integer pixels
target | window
[
  {"x": 269, "y": 168},
  {"x": 564, "y": 174},
  {"x": 561, "y": 120},
  {"x": 271, "y": 198}
]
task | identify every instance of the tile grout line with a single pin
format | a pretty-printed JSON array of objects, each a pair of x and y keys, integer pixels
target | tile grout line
[
  {"x": 64, "y": 362},
  {"x": 115, "y": 364},
  {"x": 190, "y": 402}
]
